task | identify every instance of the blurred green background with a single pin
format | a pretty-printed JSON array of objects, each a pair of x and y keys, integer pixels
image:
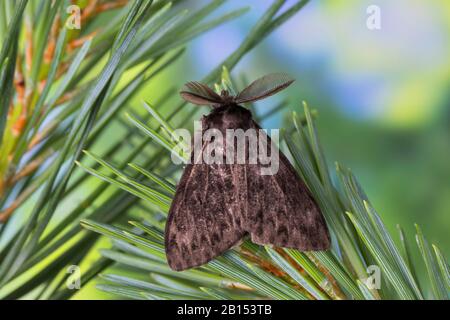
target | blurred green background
[{"x": 382, "y": 95}]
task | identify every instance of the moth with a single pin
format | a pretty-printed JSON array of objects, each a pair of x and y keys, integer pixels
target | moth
[{"x": 217, "y": 205}]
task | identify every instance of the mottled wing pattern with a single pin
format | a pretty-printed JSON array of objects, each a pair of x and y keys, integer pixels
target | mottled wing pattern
[
  {"x": 264, "y": 87},
  {"x": 216, "y": 205},
  {"x": 281, "y": 210},
  {"x": 203, "y": 221},
  {"x": 200, "y": 94}
]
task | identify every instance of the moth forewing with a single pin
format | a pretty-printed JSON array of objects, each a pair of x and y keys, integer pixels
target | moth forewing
[
  {"x": 264, "y": 87},
  {"x": 216, "y": 205}
]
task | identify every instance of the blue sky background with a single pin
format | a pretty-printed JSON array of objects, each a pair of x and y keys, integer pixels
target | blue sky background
[{"x": 382, "y": 95}]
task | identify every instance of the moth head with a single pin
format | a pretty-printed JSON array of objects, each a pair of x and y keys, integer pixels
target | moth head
[
  {"x": 224, "y": 94},
  {"x": 200, "y": 94},
  {"x": 227, "y": 99}
]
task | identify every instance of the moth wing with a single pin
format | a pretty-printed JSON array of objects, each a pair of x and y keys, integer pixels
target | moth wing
[
  {"x": 203, "y": 220},
  {"x": 281, "y": 210},
  {"x": 200, "y": 94},
  {"x": 264, "y": 87}
]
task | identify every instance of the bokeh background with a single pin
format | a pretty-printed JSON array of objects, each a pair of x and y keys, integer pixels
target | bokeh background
[{"x": 382, "y": 96}]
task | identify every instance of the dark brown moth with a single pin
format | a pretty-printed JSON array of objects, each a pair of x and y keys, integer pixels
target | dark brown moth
[{"x": 216, "y": 205}]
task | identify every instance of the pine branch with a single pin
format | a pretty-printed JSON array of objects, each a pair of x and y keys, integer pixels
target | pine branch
[
  {"x": 53, "y": 114},
  {"x": 266, "y": 272}
]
